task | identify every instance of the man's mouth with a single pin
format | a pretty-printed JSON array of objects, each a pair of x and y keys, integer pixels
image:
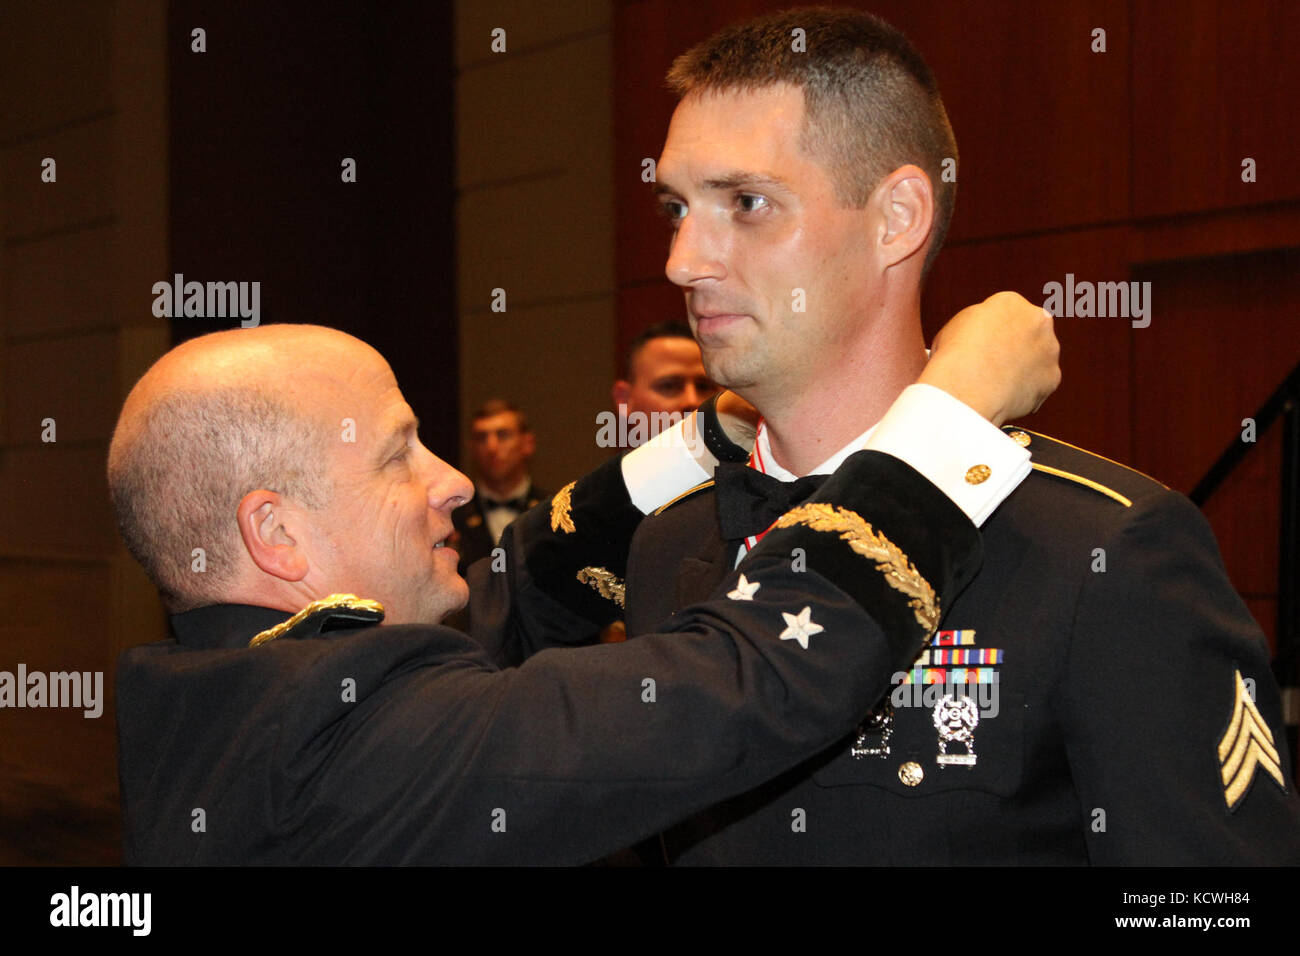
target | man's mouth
[{"x": 710, "y": 324}]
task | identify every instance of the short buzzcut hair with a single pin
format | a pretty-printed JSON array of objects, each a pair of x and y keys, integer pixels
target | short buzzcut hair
[
  {"x": 667, "y": 329},
  {"x": 178, "y": 473},
  {"x": 499, "y": 406},
  {"x": 871, "y": 104}
]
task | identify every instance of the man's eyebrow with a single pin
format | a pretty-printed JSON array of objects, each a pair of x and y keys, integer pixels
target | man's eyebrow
[
  {"x": 397, "y": 435},
  {"x": 743, "y": 178},
  {"x": 732, "y": 180}
]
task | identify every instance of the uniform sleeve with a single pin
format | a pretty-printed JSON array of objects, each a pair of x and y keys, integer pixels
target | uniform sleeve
[
  {"x": 966, "y": 456},
  {"x": 579, "y": 752},
  {"x": 558, "y": 578},
  {"x": 1172, "y": 760}
]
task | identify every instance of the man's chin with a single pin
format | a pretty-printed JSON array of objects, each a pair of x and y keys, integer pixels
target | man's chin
[
  {"x": 453, "y": 598},
  {"x": 729, "y": 373}
]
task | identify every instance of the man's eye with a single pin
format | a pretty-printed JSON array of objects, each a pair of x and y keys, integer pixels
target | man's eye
[
  {"x": 672, "y": 210},
  {"x": 750, "y": 202},
  {"x": 669, "y": 388}
]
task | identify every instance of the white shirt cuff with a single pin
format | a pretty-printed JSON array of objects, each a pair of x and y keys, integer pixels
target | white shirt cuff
[
  {"x": 668, "y": 465},
  {"x": 964, "y": 454}
]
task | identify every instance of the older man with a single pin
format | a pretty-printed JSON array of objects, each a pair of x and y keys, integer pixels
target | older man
[
  {"x": 1100, "y": 694},
  {"x": 272, "y": 483}
]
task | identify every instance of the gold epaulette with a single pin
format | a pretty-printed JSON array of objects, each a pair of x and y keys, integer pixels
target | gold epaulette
[
  {"x": 684, "y": 495},
  {"x": 1116, "y": 483},
  {"x": 311, "y": 620}
]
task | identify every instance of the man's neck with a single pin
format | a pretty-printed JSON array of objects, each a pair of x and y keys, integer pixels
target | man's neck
[{"x": 808, "y": 426}]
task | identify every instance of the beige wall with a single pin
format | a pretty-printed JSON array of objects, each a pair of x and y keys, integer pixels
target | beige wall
[
  {"x": 534, "y": 198},
  {"x": 84, "y": 84}
]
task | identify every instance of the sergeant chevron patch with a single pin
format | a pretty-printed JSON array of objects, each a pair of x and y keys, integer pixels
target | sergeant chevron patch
[{"x": 1246, "y": 746}]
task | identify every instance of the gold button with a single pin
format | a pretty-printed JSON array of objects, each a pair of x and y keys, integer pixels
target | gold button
[
  {"x": 978, "y": 474},
  {"x": 911, "y": 773},
  {"x": 1021, "y": 439}
]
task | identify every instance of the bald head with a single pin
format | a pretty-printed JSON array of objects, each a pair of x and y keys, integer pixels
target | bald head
[{"x": 213, "y": 419}]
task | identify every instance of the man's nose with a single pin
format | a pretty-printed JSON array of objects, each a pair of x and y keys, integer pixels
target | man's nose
[
  {"x": 448, "y": 488},
  {"x": 694, "y": 254}
]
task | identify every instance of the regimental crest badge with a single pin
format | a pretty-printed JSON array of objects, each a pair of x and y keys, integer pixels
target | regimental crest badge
[{"x": 1246, "y": 747}]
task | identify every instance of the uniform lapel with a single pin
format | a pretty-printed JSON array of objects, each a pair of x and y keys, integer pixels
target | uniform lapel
[{"x": 699, "y": 573}]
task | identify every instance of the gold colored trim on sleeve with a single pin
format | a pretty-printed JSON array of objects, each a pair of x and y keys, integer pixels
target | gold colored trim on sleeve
[
  {"x": 900, "y": 573},
  {"x": 1247, "y": 745},
  {"x": 369, "y": 611},
  {"x": 1086, "y": 482},
  {"x": 605, "y": 582},
  {"x": 561, "y": 506}
]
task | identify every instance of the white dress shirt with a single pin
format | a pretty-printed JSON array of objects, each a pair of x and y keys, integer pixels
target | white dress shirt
[{"x": 963, "y": 454}]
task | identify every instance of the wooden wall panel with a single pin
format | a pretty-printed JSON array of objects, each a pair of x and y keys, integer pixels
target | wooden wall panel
[
  {"x": 1223, "y": 334},
  {"x": 1214, "y": 81},
  {"x": 1041, "y": 120},
  {"x": 1092, "y": 408},
  {"x": 535, "y": 218}
]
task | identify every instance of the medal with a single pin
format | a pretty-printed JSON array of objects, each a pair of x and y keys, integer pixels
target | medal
[
  {"x": 955, "y": 718},
  {"x": 873, "y": 734}
]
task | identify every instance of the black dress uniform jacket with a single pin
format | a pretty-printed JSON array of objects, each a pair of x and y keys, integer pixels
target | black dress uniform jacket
[
  {"x": 474, "y": 540},
  {"x": 334, "y": 743},
  {"x": 1120, "y": 735}
]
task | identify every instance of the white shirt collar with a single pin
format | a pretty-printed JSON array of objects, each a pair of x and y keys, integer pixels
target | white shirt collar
[{"x": 765, "y": 462}]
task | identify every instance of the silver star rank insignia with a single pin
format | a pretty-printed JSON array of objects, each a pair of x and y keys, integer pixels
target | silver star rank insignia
[
  {"x": 799, "y": 627},
  {"x": 744, "y": 590}
]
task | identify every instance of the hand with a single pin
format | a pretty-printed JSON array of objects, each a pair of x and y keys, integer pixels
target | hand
[
  {"x": 1000, "y": 357},
  {"x": 738, "y": 418}
]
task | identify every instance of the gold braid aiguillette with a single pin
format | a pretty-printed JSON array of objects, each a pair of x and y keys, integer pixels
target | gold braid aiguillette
[
  {"x": 899, "y": 571},
  {"x": 561, "y": 505}
]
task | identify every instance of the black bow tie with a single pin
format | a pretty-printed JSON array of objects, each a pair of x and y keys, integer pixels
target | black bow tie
[
  {"x": 514, "y": 504},
  {"x": 749, "y": 501}
]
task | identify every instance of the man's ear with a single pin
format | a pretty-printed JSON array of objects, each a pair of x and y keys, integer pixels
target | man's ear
[
  {"x": 265, "y": 520},
  {"x": 530, "y": 443},
  {"x": 621, "y": 392},
  {"x": 905, "y": 202}
]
